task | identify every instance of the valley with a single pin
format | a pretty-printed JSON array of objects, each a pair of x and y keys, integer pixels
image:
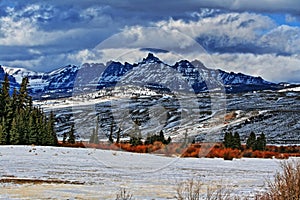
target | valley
[{"x": 98, "y": 174}]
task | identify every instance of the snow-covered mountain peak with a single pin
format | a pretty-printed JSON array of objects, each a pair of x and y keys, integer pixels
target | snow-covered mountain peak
[
  {"x": 61, "y": 82},
  {"x": 151, "y": 59},
  {"x": 19, "y": 73}
]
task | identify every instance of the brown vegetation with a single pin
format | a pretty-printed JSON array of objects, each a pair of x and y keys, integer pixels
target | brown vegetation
[
  {"x": 286, "y": 184},
  {"x": 197, "y": 150},
  {"x": 37, "y": 181}
]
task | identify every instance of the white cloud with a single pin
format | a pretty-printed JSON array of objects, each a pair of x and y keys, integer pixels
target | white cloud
[
  {"x": 17, "y": 31},
  {"x": 269, "y": 66},
  {"x": 260, "y": 31},
  {"x": 282, "y": 39},
  {"x": 234, "y": 25},
  {"x": 226, "y": 32}
]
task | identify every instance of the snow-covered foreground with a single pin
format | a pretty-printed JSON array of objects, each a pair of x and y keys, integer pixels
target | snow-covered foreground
[{"x": 101, "y": 174}]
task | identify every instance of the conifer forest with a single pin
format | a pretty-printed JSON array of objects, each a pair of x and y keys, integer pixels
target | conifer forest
[{"x": 21, "y": 122}]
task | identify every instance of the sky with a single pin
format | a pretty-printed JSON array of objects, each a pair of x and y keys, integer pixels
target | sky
[{"x": 257, "y": 37}]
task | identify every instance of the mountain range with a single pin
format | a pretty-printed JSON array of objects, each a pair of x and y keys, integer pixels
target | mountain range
[{"x": 151, "y": 72}]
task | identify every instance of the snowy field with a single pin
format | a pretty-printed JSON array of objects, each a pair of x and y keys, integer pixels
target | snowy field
[{"x": 99, "y": 174}]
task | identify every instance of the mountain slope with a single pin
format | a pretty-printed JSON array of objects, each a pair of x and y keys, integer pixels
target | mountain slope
[{"x": 12, "y": 79}]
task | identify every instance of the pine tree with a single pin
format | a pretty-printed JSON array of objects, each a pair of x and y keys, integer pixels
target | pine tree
[
  {"x": 161, "y": 136},
  {"x": 21, "y": 122},
  {"x": 260, "y": 143},
  {"x": 263, "y": 141},
  {"x": 51, "y": 135},
  {"x": 33, "y": 134},
  {"x": 228, "y": 140},
  {"x": 5, "y": 89},
  {"x": 118, "y": 136},
  {"x": 23, "y": 93},
  {"x": 236, "y": 141},
  {"x": 14, "y": 133},
  {"x": 7, "y": 112},
  {"x": 15, "y": 101},
  {"x": 71, "y": 134},
  {"x": 110, "y": 138},
  {"x": 251, "y": 140},
  {"x": 2, "y": 102},
  {"x": 64, "y": 137},
  {"x": 169, "y": 140},
  {"x": 2, "y": 135}
]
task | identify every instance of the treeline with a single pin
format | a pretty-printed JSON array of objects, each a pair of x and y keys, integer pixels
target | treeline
[
  {"x": 20, "y": 122},
  {"x": 233, "y": 141}
]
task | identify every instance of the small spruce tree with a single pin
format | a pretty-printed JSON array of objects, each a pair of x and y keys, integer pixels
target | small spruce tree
[
  {"x": 228, "y": 140},
  {"x": 118, "y": 136},
  {"x": 236, "y": 141},
  {"x": 169, "y": 140},
  {"x": 64, "y": 138},
  {"x": 2, "y": 135},
  {"x": 260, "y": 143},
  {"x": 110, "y": 137},
  {"x": 14, "y": 133},
  {"x": 251, "y": 140},
  {"x": 71, "y": 135}
]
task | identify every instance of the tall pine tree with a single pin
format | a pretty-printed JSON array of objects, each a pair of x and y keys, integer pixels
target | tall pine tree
[
  {"x": 20, "y": 121},
  {"x": 71, "y": 134},
  {"x": 251, "y": 140}
]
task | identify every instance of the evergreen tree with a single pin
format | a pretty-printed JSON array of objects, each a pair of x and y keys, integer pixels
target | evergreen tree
[
  {"x": 64, "y": 137},
  {"x": 33, "y": 134},
  {"x": 260, "y": 143},
  {"x": 23, "y": 93},
  {"x": 2, "y": 102},
  {"x": 263, "y": 141},
  {"x": 251, "y": 140},
  {"x": 236, "y": 141},
  {"x": 228, "y": 140},
  {"x": 134, "y": 141},
  {"x": 14, "y": 103},
  {"x": 14, "y": 133},
  {"x": 7, "y": 107},
  {"x": 5, "y": 89},
  {"x": 51, "y": 130},
  {"x": 71, "y": 134},
  {"x": 21, "y": 123},
  {"x": 110, "y": 138},
  {"x": 161, "y": 136},
  {"x": 118, "y": 136},
  {"x": 169, "y": 140},
  {"x": 2, "y": 135}
]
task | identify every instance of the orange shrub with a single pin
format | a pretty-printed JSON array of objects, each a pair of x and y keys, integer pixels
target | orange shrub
[
  {"x": 269, "y": 154},
  {"x": 282, "y": 156}
]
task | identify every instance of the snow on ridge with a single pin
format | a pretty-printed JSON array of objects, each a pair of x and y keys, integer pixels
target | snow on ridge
[{"x": 294, "y": 89}]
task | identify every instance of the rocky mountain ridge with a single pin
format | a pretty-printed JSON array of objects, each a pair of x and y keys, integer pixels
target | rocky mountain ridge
[{"x": 151, "y": 71}]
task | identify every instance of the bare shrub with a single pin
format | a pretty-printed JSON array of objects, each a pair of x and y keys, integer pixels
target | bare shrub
[
  {"x": 189, "y": 190},
  {"x": 124, "y": 195},
  {"x": 219, "y": 193},
  {"x": 286, "y": 184},
  {"x": 195, "y": 190}
]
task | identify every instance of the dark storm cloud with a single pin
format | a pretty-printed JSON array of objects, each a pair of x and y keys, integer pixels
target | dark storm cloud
[
  {"x": 46, "y": 34},
  {"x": 11, "y": 53}
]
